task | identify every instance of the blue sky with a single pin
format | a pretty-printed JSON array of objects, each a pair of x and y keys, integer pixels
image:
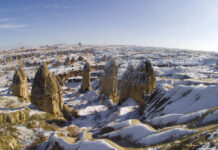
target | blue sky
[{"x": 164, "y": 23}]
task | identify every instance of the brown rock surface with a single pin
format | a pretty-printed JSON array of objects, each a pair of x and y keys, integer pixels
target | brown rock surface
[
  {"x": 80, "y": 58},
  {"x": 69, "y": 113},
  {"x": 57, "y": 63},
  {"x": 67, "y": 61},
  {"x": 86, "y": 85},
  {"x": 14, "y": 117},
  {"x": 46, "y": 91},
  {"x": 137, "y": 81},
  {"x": 72, "y": 60},
  {"x": 109, "y": 80},
  {"x": 19, "y": 84}
]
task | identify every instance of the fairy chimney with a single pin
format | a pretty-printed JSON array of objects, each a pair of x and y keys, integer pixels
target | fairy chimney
[
  {"x": 86, "y": 85},
  {"x": 109, "y": 80},
  {"x": 72, "y": 60},
  {"x": 67, "y": 61},
  {"x": 9, "y": 59},
  {"x": 80, "y": 58},
  {"x": 19, "y": 84},
  {"x": 136, "y": 82},
  {"x": 46, "y": 91}
]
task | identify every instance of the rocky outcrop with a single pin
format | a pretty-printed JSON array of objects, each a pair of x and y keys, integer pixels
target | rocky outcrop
[
  {"x": 46, "y": 91},
  {"x": 69, "y": 113},
  {"x": 19, "y": 84},
  {"x": 73, "y": 73},
  {"x": 86, "y": 85},
  {"x": 14, "y": 117},
  {"x": 109, "y": 81},
  {"x": 136, "y": 82},
  {"x": 8, "y": 142}
]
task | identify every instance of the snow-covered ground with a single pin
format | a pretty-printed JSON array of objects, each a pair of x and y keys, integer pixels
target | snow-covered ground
[{"x": 188, "y": 81}]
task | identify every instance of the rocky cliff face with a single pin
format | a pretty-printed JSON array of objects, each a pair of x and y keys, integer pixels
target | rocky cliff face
[
  {"x": 19, "y": 84},
  {"x": 109, "y": 80},
  {"x": 86, "y": 85},
  {"x": 136, "y": 82},
  {"x": 46, "y": 91}
]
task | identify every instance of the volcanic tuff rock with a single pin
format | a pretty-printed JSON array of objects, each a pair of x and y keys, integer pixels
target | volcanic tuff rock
[
  {"x": 109, "y": 80},
  {"x": 69, "y": 113},
  {"x": 9, "y": 142},
  {"x": 80, "y": 58},
  {"x": 10, "y": 59},
  {"x": 67, "y": 61},
  {"x": 19, "y": 84},
  {"x": 72, "y": 60},
  {"x": 14, "y": 117},
  {"x": 86, "y": 85},
  {"x": 136, "y": 82},
  {"x": 46, "y": 91},
  {"x": 57, "y": 63}
]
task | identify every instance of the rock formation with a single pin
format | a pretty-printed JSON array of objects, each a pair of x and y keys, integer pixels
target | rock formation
[
  {"x": 72, "y": 60},
  {"x": 69, "y": 113},
  {"x": 80, "y": 58},
  {"x": 46, "y": 91},
  {"x": 9, "y": 142},
  {"x": 19, "y": 84},
  {"x": 109, "y": 80},
  {"x": 9, "y": 59},
  {"x": 67, "y": 61},
  {"x": 86, "y": 85},
  {"x": 57, "y": 64},
  {"x": 136, "y": 82},
  {"x": 14, "y": 117}
]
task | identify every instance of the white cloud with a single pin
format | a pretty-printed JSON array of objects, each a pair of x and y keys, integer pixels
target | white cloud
[
  {"x": 12, "y": 26},
  {"x": 55, "y": 5}
]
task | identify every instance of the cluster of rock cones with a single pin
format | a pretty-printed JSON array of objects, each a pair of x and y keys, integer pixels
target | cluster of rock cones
[{"x": 47, "y": 95}]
